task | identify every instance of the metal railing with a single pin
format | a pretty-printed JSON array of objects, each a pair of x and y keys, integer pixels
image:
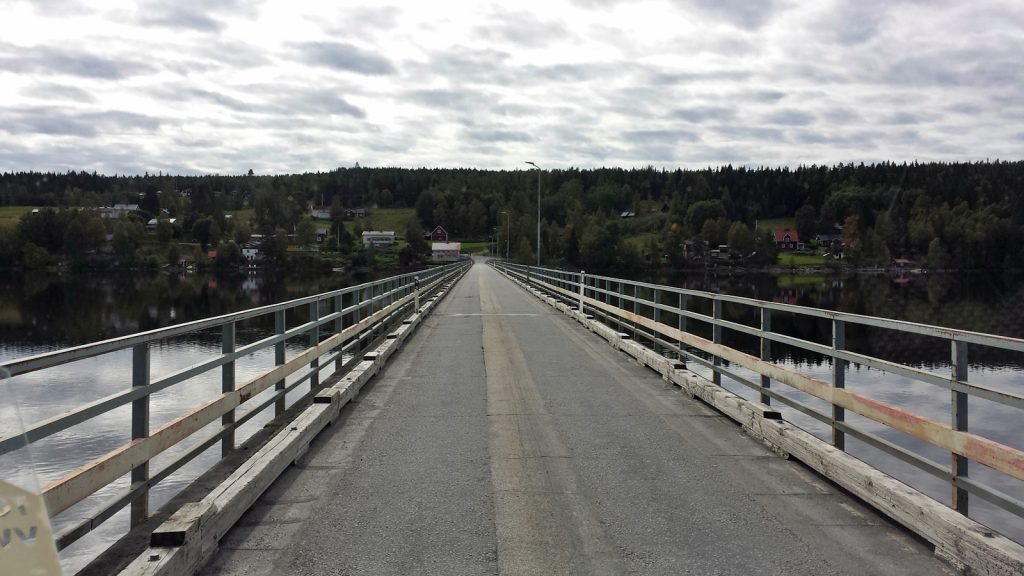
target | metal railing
[
  {"x": 336, "y": 326},
  {"x": 666, "y": 318}
]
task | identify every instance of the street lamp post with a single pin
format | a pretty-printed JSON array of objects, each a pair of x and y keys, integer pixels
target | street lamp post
[
  {"x": 538, "y": 210},
  {"x": 508, "y": 232}
]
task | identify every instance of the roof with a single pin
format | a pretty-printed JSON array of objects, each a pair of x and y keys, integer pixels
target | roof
[
  {"x": 446, "y": 246},
  {"x": 321, "y": 230},
  {"x": 379, "y": 233},
  {"x": 780, "y": 235}
]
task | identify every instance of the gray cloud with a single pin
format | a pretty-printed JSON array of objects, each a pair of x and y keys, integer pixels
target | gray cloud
[
  {"x": 662, "y": 136},
  {"x": 748, "y": 14},
  {"x": 448, "y": 99},
  {"x": 670, "y": 78},
  {"x": 179, "y": 93},
  {"x": 48, "y": 91},
  {"x": 698, "y": 114},
  {"x": 45, "y": 60},
  {"x": 341, "y": 56},
  {"x": 903, "y": 117},
  {"x": 745, "y": 132},
  {"x": 198, "y": 15},
  {"x": 791, "y": 117},
  {"x": 522, "y": 29},
  {"x": 48, "y": 121},
  {"x": 321, "y": 102},
  {"x": 498, "y": 135}
]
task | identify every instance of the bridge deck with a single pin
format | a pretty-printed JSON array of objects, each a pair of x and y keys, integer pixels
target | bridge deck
[{"x": 506, "y": 439}]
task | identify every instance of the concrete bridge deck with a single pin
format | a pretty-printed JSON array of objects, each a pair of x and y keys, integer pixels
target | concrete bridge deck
[{"x": 504, "y": 438}]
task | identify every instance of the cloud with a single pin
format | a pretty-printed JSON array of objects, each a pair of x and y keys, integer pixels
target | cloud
[
  {"x": 46, "y": 60},
  {"x": 39, "y": 120},
  {"x": 662, "y": 136},
  {"x": 747, "y": 14},
  {"x": 197, "y": 15},
  {"x": 698, "y": 114},
  {"x": 498, "y": 135},
  {"x": 522, "y": 29},
  {"x": 745, "y": 132},
  {"x": 791, "y": 117},
  {"x": 342, "y": 56},
  {"x": 185, "y": 93},
  {"x": 320, "y": 102},
  {"x": 48, "y": 91}
]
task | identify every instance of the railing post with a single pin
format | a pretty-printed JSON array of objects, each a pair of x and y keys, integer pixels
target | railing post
[
  {"x": 279, "y": 323},
  {"x": 838, "y": 381},
  {"x": 140, "y": 429},
  {"x": 416, "y": 294},
  {"x": 339, "y": 327},
  {"x": 959, "y": 408},
  {"x": 716, "y": 337},
  {"x": 227, "y": 384},
  {"x": 583, "y": 282},
  {"x": 766, "y": 351},
  {"x": 314, "y": 340},
  {"x": 657, "y": 318},
  {"x": 682, "y": 324}
]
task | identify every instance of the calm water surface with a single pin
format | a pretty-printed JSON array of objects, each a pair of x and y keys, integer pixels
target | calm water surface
[{"x": 43, "y": 312}]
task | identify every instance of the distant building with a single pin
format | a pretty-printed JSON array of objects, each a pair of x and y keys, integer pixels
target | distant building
[
  {"x": 439, "y": 234},
  {"x": 445, "y": 251},
  {"x": 251, "y": 249},
  {"x": 322, "y": 213},
  {"x": 627, "y": 215},
  {"x": 378, "y": 238},
  {"x": 151, "y": 225},
  {"x": 321, "y": 234},
  {"x": 117, "y": 211},
  {"x": 351, "y": 213},
  {"x": 786, "y": 239}
]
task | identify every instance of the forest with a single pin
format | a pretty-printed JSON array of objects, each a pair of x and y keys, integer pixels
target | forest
[{"x": 938, "y": 215}]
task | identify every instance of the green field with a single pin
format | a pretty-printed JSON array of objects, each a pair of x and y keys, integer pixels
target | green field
[
  {"x": 384, "y": 219},
  {"x": 9, "y": 215},
  {"x": 791, "y": 259}
]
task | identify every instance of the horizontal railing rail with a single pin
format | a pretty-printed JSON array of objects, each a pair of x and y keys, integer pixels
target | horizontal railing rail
[
  {"x": 665, "y": 317},
  {"x": 357, "y": 315}
]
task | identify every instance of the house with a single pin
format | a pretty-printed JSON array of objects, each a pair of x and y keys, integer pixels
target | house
[
  {"x": 439, "y": 234},
  {"x": 627, "y": 215},
  {"x": 445, "y": 251},
  {"x": 251, "y": 249},
  {"x": 321, "y": 213},
  {"x": 786, "y": 239},
  {"x": 378, "y": 238},
  {"x": 321, "y": 234},
  {"x": 151, "y": 225},
  {"x": 351, "y": 213},
  {"x": 118, "y": 211}
]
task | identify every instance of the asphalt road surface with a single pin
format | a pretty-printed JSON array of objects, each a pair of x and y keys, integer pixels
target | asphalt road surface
[{"x": 506, "y": 439}]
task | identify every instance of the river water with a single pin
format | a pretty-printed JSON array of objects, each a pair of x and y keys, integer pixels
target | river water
[{"x": 40, "y": 312}]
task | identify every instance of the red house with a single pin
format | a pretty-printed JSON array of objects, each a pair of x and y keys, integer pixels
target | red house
[
  {"x": 439, "y": 235},
  {"x": 786, "y": 239}
]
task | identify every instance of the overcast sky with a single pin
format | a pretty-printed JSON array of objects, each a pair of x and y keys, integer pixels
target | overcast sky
[{"x": 203, "y": 86}]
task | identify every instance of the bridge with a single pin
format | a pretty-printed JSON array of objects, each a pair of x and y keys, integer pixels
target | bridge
[{"x": 520, "y": 420}]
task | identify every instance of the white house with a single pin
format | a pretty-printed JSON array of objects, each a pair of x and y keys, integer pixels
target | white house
[
  {"x": 445, "y": 251},
  {"x": 251, "y": 249},
  {"x": 118, "y": 210},
  {"x": 378, "y": 238}
]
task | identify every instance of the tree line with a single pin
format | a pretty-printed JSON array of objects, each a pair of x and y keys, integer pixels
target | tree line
[{"x": 943, "y": 215}]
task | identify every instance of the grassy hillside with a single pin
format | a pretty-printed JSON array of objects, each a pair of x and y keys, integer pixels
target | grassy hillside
[
  {"x": 381, "y": 219},
  {"x": 9, "y": 215}
]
